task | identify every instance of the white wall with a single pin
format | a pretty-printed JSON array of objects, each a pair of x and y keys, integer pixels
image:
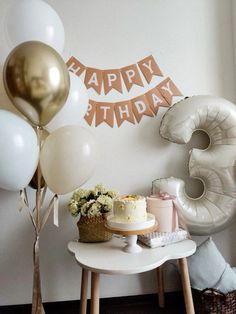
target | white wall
[{"x": 192, "y": 43}]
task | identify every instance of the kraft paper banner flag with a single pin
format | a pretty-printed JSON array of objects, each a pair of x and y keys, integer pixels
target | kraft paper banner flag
[
  {"x": 156, "y": 100},
  {"x": 168, "y": 89},
  {"x": 149, "y": 68},
  {"x": 93, "y": 79},
  {"x": 112, "y": 80},
  {"x": 141, "y": 107},
  {"x": 124, "y": 112},
  {"x": 105, "y": 113},
  {"x": 75, "y": 66},
  {"x": 131, "y": 76},
  {"x": 91, "y": 112}
]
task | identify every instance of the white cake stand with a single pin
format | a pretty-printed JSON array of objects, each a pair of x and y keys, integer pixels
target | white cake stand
[{"x": 131, "y": 231}]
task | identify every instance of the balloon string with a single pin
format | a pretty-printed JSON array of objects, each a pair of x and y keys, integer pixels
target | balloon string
[
  {"x": 39, "y": 175},
  {"x": 37, "y": 306},
  {"x": 55, "y": 211},
  {"x": 23, "y": 199},
  {"x": 52, "y": 205},
  {"x": 44, "y": 193}
]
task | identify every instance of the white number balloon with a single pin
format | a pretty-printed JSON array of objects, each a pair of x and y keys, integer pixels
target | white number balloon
[{"x": 215, "y": 166}]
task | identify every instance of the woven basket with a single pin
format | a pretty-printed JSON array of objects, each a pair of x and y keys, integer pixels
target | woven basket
[
  {"x": 212, "y": 301},
  {"x": 92, "y": 229}
]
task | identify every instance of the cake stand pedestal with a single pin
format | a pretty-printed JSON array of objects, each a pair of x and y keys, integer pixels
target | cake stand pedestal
[{"x": 131, "y": 236}]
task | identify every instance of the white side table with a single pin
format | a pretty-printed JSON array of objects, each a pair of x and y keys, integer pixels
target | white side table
[{"x": 109, "y": 258}]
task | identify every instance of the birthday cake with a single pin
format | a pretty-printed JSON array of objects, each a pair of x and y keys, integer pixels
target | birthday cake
[{"x": 130, "y": 209}]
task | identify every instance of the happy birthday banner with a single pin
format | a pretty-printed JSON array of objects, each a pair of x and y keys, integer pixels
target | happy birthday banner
[{"x": 127, "y": 110}]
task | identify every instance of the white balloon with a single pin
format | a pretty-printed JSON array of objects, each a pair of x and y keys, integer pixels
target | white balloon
[
  {"x": 28, "y": 20},
  {"x": 215, "y": 166},
  {"x": 68, "y": 158},
  {"x": 75, "y": 107},
  {"x": 19, "y": 152}
]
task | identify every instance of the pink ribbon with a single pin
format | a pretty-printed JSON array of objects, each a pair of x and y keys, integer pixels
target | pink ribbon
[{"x": 178, "y": 218}]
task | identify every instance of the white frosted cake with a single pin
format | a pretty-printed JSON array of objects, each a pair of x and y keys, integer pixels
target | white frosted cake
[{"x": 130, "y": 209}]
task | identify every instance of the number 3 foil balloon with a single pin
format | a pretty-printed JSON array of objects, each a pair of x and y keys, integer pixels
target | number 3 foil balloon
[
  {"x": 214, "y": 166},
  {"x": 36, "y": 80}
]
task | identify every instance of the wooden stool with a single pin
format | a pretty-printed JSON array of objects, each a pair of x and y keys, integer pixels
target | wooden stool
[{"x": 109, "y": 258}]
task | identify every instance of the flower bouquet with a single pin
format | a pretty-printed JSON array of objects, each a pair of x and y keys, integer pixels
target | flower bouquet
[{"x": 92, "y": 206}]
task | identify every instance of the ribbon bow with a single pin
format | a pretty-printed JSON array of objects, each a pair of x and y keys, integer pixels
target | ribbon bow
[{"x": 165, "y": 196}]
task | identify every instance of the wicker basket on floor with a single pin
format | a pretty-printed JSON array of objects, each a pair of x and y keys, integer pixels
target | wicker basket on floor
[
  {"x": 92, "y": 229},
  {"x": 212, "y": 301}
]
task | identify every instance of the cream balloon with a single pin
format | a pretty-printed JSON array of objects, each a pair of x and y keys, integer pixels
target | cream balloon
[
  {"x": 68, "y": 158},
  {"x": 75, "y": 107},
  {"x": 19, "y": 152},
  {"x": 28, "y": 20},
  {"x": 215, "y": 166}
]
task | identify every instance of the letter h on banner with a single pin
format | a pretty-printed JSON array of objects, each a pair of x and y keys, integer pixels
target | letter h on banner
[
  {"x": 75, "y": 66},
  {"x": 124, "y": 112}
]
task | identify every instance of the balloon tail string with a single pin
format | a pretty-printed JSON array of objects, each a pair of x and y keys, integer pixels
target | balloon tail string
[
  {"x": 37, "y": 306},
  {"x": 24, "y": 202},
  {"x": 32, "y": 219},
  {"x": 53, "y": 205},
  {"x": 44, "y": 193},
  {"x": 39, "y": 176}
]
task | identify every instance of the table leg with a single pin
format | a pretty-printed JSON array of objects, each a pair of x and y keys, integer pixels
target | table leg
[
  {"x": 83, "y": 292},
  {"x": 94, "y": 293},
  {"x": 160, "y": 286},
  {"x": 188, "y": 299}
]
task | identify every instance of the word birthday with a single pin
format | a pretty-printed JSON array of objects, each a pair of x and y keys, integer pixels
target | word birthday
[
  {"x": 127, "y": 110},
  {"x": 133, "y": 110}
]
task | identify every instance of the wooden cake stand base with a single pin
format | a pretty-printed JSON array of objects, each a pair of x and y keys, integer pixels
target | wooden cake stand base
[{"x": 132, "y": 237}]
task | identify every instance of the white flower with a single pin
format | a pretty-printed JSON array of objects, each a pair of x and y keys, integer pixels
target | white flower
[
  {"x": 80, "y": 194},
  {"x": 106, "y": 202},
  {"x": 94, "y": 210},
  {"x": 93, "y": 202},
  {"x": 85, "y": 208},
  {"x": 72, "y": 206},
  {"x": 100, "y": 189},
  {"x": 112, "y": 193}
]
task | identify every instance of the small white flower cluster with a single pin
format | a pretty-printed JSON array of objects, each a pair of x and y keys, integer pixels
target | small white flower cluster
[{"x": 91, "y": 203}]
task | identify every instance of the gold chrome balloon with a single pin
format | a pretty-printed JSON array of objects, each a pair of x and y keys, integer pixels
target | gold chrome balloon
[
  {"x": 34, "y": 181},
  {"x": 36, "y": 80}
]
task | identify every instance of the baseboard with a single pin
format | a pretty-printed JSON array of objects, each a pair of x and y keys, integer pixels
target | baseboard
[{"x": 140, "y": 304}]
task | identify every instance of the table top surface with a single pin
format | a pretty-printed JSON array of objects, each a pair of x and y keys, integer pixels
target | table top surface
[{"x": 109, "y": 258}]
